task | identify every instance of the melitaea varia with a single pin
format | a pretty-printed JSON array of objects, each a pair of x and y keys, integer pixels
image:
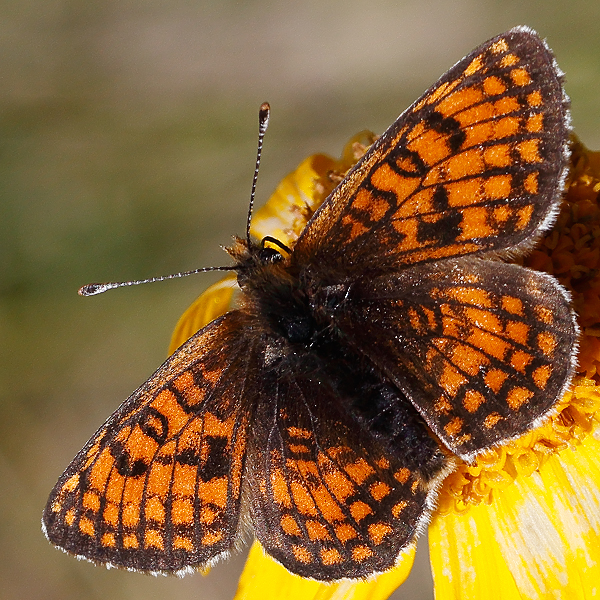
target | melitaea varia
[{"x": 324, "y": 411}]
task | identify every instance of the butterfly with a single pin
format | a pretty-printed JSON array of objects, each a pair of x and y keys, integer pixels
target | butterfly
[{"x": 390, "y": 341}]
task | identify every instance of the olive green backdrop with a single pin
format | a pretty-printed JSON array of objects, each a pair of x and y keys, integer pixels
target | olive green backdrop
[{"x": 127, "y": 141}]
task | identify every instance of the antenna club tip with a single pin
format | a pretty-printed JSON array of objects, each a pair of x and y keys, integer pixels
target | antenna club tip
[
  {"x": 92, "y": 289},
  {"x": 263, "y": 115}
]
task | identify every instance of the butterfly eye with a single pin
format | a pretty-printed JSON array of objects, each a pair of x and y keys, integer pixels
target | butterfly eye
[{"x": 269, "y": 255}]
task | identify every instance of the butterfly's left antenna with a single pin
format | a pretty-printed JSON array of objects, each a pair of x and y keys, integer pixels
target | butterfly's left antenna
[
  {"x": 263, "y": 122},
  {"x": 92, "y": 289}
]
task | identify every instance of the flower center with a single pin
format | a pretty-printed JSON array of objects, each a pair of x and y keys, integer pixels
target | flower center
[{"x": 577, "y": 415}]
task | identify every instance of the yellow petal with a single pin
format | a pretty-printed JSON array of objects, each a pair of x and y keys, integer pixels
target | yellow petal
[
  {"x": 302, "y": 191},
  {"x": 211, "y": 304},
  {"x": 285, "y": 214},
  {"x": 539, "y": 539},
  {"x": 265, "y": 579}
]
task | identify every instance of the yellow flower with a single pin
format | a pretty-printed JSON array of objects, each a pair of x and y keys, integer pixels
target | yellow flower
[{"x": 524, "y": 520}]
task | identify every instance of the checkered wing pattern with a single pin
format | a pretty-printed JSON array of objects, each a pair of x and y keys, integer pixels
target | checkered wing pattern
[
  {"x": 329, "y": 501},
  {"x": 306, "y": 410},
  {"x": 471, "y": 167},
  {"x": 157, "y": 488},
  {"x": 482, "y": 348}
]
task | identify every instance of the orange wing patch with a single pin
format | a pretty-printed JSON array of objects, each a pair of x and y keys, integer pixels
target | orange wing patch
[
  {"x": 158, "y": 488},
  {"x": 329, "y": 499},
  {"x": 471, "y": 167},
  {"x": 473, "y": 350}
]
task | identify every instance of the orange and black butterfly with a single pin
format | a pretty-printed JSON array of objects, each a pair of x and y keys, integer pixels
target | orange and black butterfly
[{"x": 392, "y": 337}]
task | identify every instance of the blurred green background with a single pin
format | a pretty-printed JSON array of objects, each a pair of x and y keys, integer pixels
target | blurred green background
[{"x": 127, "y": 142}]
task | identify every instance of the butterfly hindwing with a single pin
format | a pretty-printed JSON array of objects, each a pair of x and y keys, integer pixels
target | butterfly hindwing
[
  {"x": 482, "y": 348},
  {"x": 330, "y": 499},
  {"x": 158, "y": 487},
  {"x": 473, "y": 166}
]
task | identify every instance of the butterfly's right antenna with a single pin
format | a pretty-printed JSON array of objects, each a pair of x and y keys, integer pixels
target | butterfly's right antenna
[{"x": 263, "y": 123}]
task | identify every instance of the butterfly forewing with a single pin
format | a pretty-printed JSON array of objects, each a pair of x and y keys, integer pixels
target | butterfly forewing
[
  {"x": 473, "y": 166},
  {"x": 158, "y": 486}
]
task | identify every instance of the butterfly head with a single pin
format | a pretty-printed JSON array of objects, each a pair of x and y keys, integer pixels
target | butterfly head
[{"x": 255, "y": 262}]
